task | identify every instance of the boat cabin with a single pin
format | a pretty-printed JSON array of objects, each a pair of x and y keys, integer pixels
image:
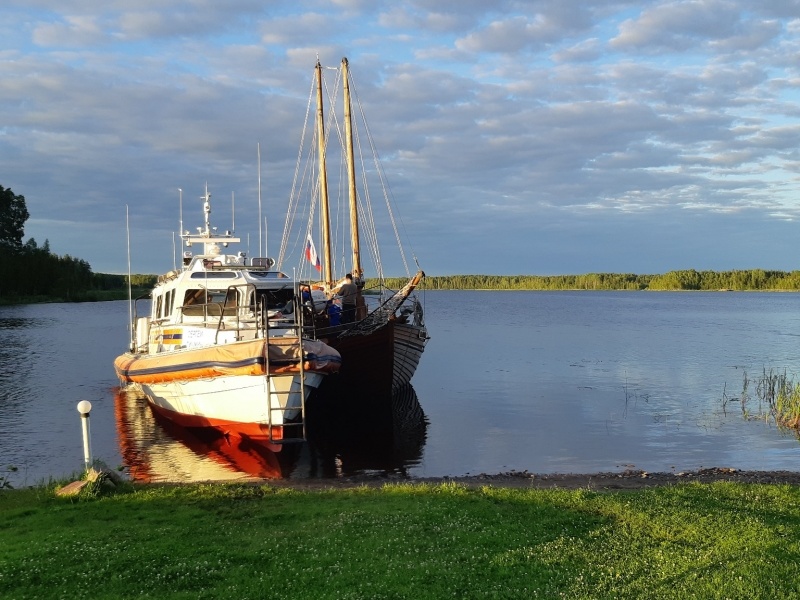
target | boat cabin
[{"x": 219, "y": 297}]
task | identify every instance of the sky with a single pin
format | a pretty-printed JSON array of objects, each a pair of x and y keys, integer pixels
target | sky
[{"x": 518, "y": 136}]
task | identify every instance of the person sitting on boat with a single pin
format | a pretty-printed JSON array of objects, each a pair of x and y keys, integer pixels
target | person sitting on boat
[
  {"x": 348, "y": 292},
  {"x": 334, "y": 313}
]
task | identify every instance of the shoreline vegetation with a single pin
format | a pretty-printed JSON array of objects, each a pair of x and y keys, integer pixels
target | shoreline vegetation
[
  {"x": 401, "y": 540},
  {"x": 777, "y": 396},
  {"x": 74, "y": 284},
  {"x": 66, "y": 279},
  {"x": 737, "y": 280}
]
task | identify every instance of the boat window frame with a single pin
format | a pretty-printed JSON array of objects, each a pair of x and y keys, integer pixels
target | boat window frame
[
  {"x": 158, "y": 307},
  {"x": 170, "y": 303},
  {"x": 210, "y": 303}
]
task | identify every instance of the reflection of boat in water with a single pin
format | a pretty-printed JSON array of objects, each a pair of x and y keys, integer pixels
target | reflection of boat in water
[
  {"x": 223, "y": 347},
  {"x": 386, "y": 440},
  {"x": 156, "y": 449},
  {"x": 340, "y": 444}
]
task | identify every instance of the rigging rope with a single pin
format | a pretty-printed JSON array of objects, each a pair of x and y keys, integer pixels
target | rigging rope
[
  {"x": 384, "y": 185},
  {"x": 340, "y": 220},
  {"x": 294, "y": 198}
]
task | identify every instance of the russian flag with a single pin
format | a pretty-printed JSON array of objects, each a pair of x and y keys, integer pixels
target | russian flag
[{"x": 311, "y": 254}]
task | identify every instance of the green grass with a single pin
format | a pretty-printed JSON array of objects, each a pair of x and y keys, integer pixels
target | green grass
[{"x": 720, "y": 540}]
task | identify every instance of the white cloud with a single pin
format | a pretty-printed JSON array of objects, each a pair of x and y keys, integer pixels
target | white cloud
[
  {"x": 680, "y": 25},
  {"x": 518, "y": 117},
  {"x": 72, "y": 31}
]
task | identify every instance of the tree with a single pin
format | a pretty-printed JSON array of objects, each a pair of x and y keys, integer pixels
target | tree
[{"x": 13, "y": 214}]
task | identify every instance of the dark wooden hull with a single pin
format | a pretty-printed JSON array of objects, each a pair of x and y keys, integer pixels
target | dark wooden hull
[{"x": 380, "y": 361}]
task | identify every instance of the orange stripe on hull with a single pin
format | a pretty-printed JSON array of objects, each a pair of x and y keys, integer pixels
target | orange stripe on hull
[
  {"x": 238, "y": 358},
  {"x": 149, "y": 369}
]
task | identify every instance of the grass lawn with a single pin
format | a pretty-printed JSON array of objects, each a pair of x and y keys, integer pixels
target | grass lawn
[{"x": 721, "y": 540}]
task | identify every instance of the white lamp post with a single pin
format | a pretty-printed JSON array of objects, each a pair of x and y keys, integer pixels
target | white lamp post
[{"x": 85, "y": 407}]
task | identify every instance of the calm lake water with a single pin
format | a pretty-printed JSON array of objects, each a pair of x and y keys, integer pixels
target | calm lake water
[{"x": 539, "y": 381}]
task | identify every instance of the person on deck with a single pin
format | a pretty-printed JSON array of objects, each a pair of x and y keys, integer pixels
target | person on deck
[{"x": 349, "y": 293}]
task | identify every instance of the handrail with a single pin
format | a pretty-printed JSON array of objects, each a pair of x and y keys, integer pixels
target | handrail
[{"x": 236, "y": 308}]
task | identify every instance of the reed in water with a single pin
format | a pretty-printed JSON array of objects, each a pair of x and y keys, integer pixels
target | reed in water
[{"x": 778, "y": 397}]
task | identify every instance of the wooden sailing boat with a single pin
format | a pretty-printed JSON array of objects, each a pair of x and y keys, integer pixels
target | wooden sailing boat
[{"x": 383, "y": 346}]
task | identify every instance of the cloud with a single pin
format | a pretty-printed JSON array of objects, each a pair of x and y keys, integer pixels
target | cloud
[
  {"x": 72, "y": 31},
  {"x": 679, "y": 25},
  {"x": 500, "y": 123}
]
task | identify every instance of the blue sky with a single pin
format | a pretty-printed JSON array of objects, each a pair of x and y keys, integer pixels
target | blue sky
[{"x": 519, "y": 137}]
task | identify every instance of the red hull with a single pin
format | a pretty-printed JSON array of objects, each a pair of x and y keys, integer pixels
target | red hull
[{"x": 254, "y": 431}]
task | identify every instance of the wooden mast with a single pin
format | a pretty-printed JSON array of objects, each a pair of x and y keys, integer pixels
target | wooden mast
[
  {"x": 351, "y": 175},
  {"x": 323, "y": 185}
]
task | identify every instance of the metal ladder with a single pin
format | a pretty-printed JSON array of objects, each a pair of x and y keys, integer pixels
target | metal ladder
[{"x": 292, "y": 399}]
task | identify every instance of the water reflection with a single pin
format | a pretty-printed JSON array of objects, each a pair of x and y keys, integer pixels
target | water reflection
[
  {"x": 156, "y": 450},
  {"x": 17, "y": 343},
  {"x": 351, "y": 434},
  {"x": 23, "y": 322},
  {"x": 364, "y": 435},
  {"x": 586, "y": 382}
]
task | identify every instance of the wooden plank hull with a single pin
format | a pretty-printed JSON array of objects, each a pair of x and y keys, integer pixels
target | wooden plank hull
[
  {"x": 382, "y": 360},
  {"x": 409, "y": 344}
]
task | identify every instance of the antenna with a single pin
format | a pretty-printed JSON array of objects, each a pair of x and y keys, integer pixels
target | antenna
[
  {"x": 233, "y": 213},
  {"x": 130, "y": 288},
  {"x": 207, "y": 211},
  {"x": 180, "y": 211},
  {"x": 259, "y": 197}
]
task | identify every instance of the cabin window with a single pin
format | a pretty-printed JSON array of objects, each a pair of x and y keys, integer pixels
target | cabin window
[
  {"x": 202, "y": 302},
  {"x": 267, "y": 274},
  {"x": 169, "y": 301},
  {"x": 157, "y": 313},
  {"x": 277, "y": 299},
  {"x": 194, "y": 303},
  {"x": 231, "y": 298},
  {"x": 213, "y": 275},
  {"x": 219, "y": 296},
  {"x": 194, "y": 297}
]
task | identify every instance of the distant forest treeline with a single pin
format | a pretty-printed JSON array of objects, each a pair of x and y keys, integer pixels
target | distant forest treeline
[
  {"x": 35, "y": 274},
  {"x": 38, "y": 275},
  {"x": 32, "y": 273},
  {"x": 746, "y": 280}
]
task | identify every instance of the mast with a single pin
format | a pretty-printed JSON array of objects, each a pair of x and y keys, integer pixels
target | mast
[
  {"x": 323, "y": 184},
  {"x": 351, "y": 174},
  {"x": 258, "y": 152}
]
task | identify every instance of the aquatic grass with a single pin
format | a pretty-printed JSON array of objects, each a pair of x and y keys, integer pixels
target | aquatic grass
[
  {"x": 6, "y": 476},
  {"x": 787, "y": 406},
  {"x": 778, "y": 399},
  {"x": 403, "y": 541}
]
